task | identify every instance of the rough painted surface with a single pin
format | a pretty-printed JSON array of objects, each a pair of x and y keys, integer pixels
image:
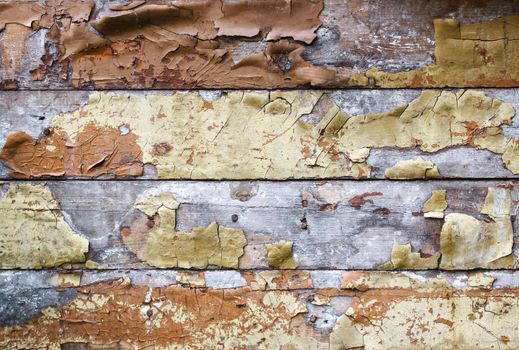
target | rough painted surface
[
  {"x": 172, "y": 262},
  {"x": 33, "y": 232},
  {"x": 256, "y": 135},
  {"x": 471, "y": 54},
  {"x": 154, "y": 239},
  {"x": 371, "y": 310},
  {"x": 243, "y": 44},
  {"x": 468, "y": 243}
]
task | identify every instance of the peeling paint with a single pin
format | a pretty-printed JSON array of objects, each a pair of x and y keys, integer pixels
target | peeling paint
[
  {"x": 469, "y": 243},
  {"x": 182, "y": 44},
  {"x": 279, "y": 280},
  {"x": 195, "y": 279},
  {"x": 280, "y": 255},
  {"x": 404, "y": 259},
  {"x": 168, "y": 318},
  {"x": 435, "y": 206},
  {"x": 254, "y": 135},
  {"x": 467, "y": 54},
  {"x": 66, "y": 279},
  {"x": 33, "y": 232},
  {"x": 208, "y": 44},
  {"x": 154, "y": 239},
  {"x": 383, "y": 310},
  {"x": 417, "y": 168}
]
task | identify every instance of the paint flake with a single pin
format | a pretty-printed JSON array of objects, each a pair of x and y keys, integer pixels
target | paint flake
[{"x": 33, "y": 232}]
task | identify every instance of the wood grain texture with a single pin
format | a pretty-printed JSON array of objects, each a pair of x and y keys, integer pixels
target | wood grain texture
[
  {"x": 209, "y": 44},
  {"x": 161, "y": 135},
  {"x": 337, "y": 224}
]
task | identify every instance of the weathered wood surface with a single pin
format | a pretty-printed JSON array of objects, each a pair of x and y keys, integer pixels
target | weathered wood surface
[
  {"x": 239, "y": 135},
  {"x": 333, "y": 225},
  {"x": 147, "y": 217},
  {"x": 317, "y": 310},
  {"x": 271, "y": 44}
]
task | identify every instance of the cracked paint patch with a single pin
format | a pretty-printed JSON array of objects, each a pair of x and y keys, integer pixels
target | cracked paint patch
[
  {"x": 408, "y": 320},
  {"x": 435, "y": 206},
  {"x": 417, "y": 168},
  {"x": 66, "y": 279},
  {"x": 254, "y": 135},
  {"x": 183, "y": 44},
  {"x": 279, "y": 255},
  {"x": 402, "y": 258},
  {"x": 18, "y": 20},
  {"x": 279, "y": 280},
  {"x": 150, "y": 233},
  {"x": 193, "y": 279},
  {"x": 383, "y": 310},
  {"x": 469, "y": 243},
  {"x": 397, "y": 311},
  {"x": 91, "y": 152},
  {"x": 201, "y": 44},
  {"x": 33, "y": 232},
  {"x": 475, "y": 54},
  {"x": 170, "y": 317},
  {"x": 480, "y": 280}
]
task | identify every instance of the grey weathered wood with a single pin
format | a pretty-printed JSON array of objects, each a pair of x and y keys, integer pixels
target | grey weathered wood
[
  {"x": 32, "y": 111},
  {"x": 344, "y": 238}
]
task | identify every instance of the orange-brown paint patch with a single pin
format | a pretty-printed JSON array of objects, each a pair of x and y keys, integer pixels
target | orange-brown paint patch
[
  {"x": 116, "y": 313},
  {"x": 93, "y": 152}
]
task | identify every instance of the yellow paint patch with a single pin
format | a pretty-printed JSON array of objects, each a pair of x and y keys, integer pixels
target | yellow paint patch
[
  {"x": 403, "y": 258},
  {"x": 257, "y": 135},
  {"x": 159, "y": 244},
  {"x": 467, "y": 54},
  {"x": 33, "y": 233},
  {"x": 469, "y": 243},
  {"x": 435, "y": 206},
  {"x": 280, "y": 255},
  {"x": 417, "y": 168}
]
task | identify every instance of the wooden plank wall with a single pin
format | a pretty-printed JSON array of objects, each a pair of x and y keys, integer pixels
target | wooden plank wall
[{"x": 271, "y": 174}]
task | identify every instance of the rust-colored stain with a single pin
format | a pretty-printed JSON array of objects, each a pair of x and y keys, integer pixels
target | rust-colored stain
[
  {"x": 358, "y": 201},
  {"x": 328, "y": 207}
]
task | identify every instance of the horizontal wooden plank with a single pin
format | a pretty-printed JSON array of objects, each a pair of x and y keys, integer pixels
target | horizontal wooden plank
[
  {"x": 331, "y": 225},
  {"x": 260, "y": 135},
  {"x": 359, "y": 310},
  {"x": 246, "y": 44}
]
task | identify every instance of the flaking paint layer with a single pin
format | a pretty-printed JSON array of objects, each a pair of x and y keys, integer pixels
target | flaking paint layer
[
  {"x": 255, "y": 135},
  {"x": 33, "y": 232},
  {"x": 469, "y": 243},
  {"x": 154, "y": 239}
]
